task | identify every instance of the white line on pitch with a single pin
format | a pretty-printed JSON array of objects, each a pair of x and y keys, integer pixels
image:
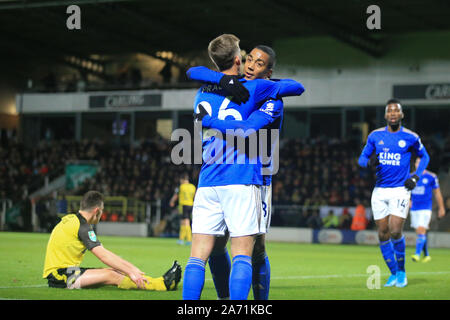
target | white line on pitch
[
  {"x": 324, "y": 276},
  {"x": 354, "y": 275},
  {"x": 25, "y": 286}
]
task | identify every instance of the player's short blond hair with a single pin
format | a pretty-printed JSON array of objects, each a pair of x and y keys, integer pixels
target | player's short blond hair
[{"x": 223, "y": 49}]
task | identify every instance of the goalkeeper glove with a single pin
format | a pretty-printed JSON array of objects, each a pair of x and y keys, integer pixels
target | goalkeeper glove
[
  {"x": 232, "y": 85},
  {"x": 411, "y": 182}
]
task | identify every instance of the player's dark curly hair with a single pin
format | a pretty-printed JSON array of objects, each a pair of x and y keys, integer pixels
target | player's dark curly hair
[{"x": 396, "y": 101}]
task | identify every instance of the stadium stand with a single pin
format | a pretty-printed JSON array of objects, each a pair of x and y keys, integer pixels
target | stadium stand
[{"x": 309, "y": 176}]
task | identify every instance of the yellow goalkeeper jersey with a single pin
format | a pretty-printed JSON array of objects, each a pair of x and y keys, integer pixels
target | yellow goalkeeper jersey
[
  {"x": 186, "y": 195},
  {"x": 68, "y": 243}
]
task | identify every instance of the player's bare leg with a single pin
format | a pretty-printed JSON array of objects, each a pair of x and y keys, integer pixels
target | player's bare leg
[
  {"x": 242, "y": 245},
  {"x": 421, "y": 230},
  {"x": 383, "y": 229},
  {"x": 98, "y": 277},
  {"x": 396, "y": 227},
  {"x": 101, "y": 277},
  {"x": 202, "y": 245},
  {"x": 390, "y": 227}
]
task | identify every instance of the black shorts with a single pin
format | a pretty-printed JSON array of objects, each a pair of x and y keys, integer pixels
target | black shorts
[
  {"x": 186, "y": 212},
  {"x": 59, "y": 279}
]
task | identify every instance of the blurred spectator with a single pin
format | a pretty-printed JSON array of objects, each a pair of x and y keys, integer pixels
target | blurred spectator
[
  {"x": 136, "y": 77},
  {"x": 345, "y": 220},
  {"x": 62, "y": 205},
  {"x": 81, "y": 85},
  {"x": 114, "y": 217},
  {"x": 123, "y": 75},
  {"x": 309, "y": 175},
  {"x": 47, "y": 213},
  {"x": 331, "y": 220},
  {"x": 314, "y": 221},
  {"x": 130, "y": 217},
  {"x": 49, "y": 82},
  {"x": 72, "y": 83},
  {"x": 303, "y": 223},
  {"x": 359, "y": 221},
  {"x": 166, "y": 72},
  {"x": 105, "y": 216}
]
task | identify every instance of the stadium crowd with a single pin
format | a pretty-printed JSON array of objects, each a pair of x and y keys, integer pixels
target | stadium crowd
[
  {"x": 316, "y": 172},
  {"x": 312, "y": 172}
]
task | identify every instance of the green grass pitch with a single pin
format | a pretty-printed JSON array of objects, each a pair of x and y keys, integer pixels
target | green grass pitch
[{"x": 299, "y": 271}]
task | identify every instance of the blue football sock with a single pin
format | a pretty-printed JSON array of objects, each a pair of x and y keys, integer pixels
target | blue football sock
[
  {"x": 420, "y": 242},
  {"x": 261, "y": 277},
  {"x": 387, "y": 250},
  {"x": 425, "y": 247},
  {"x": 240, "y": 277},
  {"x": 194, "y": 279},
  {"x": 399, "y": 248},
  {"x": 220, "y": 265}
]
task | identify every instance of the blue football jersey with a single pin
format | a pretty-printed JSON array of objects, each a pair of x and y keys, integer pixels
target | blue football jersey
[
  {"x": 394, "y": 153},
  {"x": 422, "y": 194},
  {"x": 274, "y": 109},
  {"x": 224, "y": 163},
  {"x": 268, "y": 117}
]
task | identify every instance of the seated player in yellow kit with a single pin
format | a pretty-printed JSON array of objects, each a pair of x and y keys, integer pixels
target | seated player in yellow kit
[
  {"x": 185, "y": 195},
  {"x": 70, "y": 239}
]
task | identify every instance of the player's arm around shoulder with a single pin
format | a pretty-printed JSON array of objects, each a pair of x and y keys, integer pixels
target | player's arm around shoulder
[
  {"x": 203, "y": 74},
  {"x": 268, "y": 89},
  {"x": 289, "y": 87}
]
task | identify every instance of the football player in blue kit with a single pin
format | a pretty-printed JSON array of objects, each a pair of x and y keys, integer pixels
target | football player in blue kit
[
  {"x": 421, "y": 206},
  {"x": 229, "y": 195},
  {"x": 258, "y": 65},
  {"x": 388, "y": 150}
]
